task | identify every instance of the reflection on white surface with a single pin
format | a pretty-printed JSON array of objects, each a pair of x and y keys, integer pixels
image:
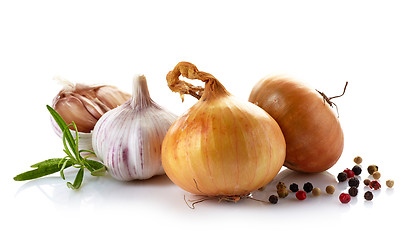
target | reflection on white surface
[
  {"x": 107, "y": 192},
  {"x": 104, "y": 201}
]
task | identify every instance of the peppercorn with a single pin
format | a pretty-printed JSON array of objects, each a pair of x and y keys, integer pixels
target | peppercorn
[
  {"x": 344, "y": 198},
  {"x": 330, "y": 189},
  {"x": 308, "y": 187},
  {"x": 366, "y": 182},
  {"x": 273, "y": 199},
  {"x": 358, "y": 160},
  {"x": 353, "y": 182},
  {"x": 376, "y": 175},
  {"x": 357, "y": 170},
  {"x": 375, "y": 185},
  {"x": 282, "y": 192},
  {"x": 349, "y": 172},
  {"x": 301, "y": 195},
  {"x": 368, "y": 195},
  {"x": 372, "y": 168},
  {"x": 353, "y": 191},
  {"x": 342, "y": 176},
  {"x": 280, "y": 185},
  {"x": 316, "y": 192},
  {"x": 390, "y": 183},
  {"x": 294, "y": 187}
]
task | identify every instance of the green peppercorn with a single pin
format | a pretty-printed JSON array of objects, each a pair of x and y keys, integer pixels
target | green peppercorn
[
  {"x": 358, "y": 160},
  {"x": 366, "y": 182},
  {"x": 372, "y": 168},
  {"x": 330, "y": 189},
  {"x": 273, "y": 199},
  {"x": 282, "y": 192},
  {"x": 280, "y": 185},
  {"x": 368, "y": 195},
  {"x": 353, "y": 191},
  {"x": 308, "y": 187},
  {"x": 342, "y": 176}
]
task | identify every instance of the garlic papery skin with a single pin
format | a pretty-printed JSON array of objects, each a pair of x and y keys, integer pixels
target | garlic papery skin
[{"x": 128, "y": 138}]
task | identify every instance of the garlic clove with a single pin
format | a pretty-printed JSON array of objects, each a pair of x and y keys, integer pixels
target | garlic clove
[
  {"x": 72, "y": 109},
  {"x": 90, "y": 106},
  {"x": 111, "y": 96}
]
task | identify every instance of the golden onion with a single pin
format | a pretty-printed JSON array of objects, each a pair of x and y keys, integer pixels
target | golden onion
[{"x": 221, "y": 146}]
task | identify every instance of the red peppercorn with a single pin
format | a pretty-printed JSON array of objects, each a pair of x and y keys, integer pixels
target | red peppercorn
[
  {"x": 344, "y": 198},
  {"x": 349, "y": 172},
  {"x": 375, "y": 185},
  {"x": 301, "y": 195}
]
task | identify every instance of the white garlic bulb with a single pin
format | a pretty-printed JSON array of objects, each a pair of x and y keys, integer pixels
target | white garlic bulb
[{"x": 128, "y": 138}]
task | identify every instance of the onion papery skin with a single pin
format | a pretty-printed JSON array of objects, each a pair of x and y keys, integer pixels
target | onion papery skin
[
  {"x": 311, "y": 128},
  {"x": 223, "y": 147}
]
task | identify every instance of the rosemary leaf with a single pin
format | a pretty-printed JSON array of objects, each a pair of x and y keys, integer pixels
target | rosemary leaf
[
  {"x": 94, "y": 164},
  {"x": 43, "y": 168},
  {"x": 61, "y": 171},
  {"x": 78, "y": 179},
  {"x": 73, "y": 157},
  {"x": 98, "y": 168},
  {"x": 63, "y": 126}
]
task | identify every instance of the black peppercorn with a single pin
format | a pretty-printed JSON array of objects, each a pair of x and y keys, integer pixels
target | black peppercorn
[
  {"x": 308, "y": 187},
  {"x": 357, "y": 170},
  {"x": 273, "y": 199},
  {"x": 368, "y": 195},
  {"x": 353, "y": 191},
  {"x": 353, "y": 182},
  {"x": 342, "y": 176},
  {"x": 294, "y": 187}
]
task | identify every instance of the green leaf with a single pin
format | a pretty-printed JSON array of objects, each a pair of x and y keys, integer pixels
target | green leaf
[
  {"x": 43, "y": 168},
  {"x": 94, "y": 164},
  {"x": 78, "y": 179},
  {"x": 51, "y": 161},
  {"x": 58, "y": 119},
  {"x": 88, "y": 151},
  {"x": 63, "y": 126},
  {"x": 61, "y": 172},
  {"x": 99, "y": 168},
  {"x": 99, "y": 172}
]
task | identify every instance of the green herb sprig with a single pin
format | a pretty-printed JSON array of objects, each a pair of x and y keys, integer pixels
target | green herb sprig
[{"x": 73, "y": 158}]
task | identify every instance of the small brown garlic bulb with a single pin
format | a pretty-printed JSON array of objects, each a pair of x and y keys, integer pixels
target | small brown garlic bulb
[{"x": 85, "y": 104}]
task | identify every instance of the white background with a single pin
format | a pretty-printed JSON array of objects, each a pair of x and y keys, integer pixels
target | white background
[{"x": 322, "y": 43}]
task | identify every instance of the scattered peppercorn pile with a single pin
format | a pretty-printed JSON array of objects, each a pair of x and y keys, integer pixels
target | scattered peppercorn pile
[{"x": 350, "y": 175}]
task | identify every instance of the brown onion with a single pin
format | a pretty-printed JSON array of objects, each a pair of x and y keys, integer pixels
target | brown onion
[
  {"x": 221, "y": 146},
  {"x": 311, "y": 128}
]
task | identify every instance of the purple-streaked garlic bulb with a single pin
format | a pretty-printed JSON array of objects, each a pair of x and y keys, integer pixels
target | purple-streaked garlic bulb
[
  {"x": 128, "y": 138},
  {"x": 84, "y": 105}
]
